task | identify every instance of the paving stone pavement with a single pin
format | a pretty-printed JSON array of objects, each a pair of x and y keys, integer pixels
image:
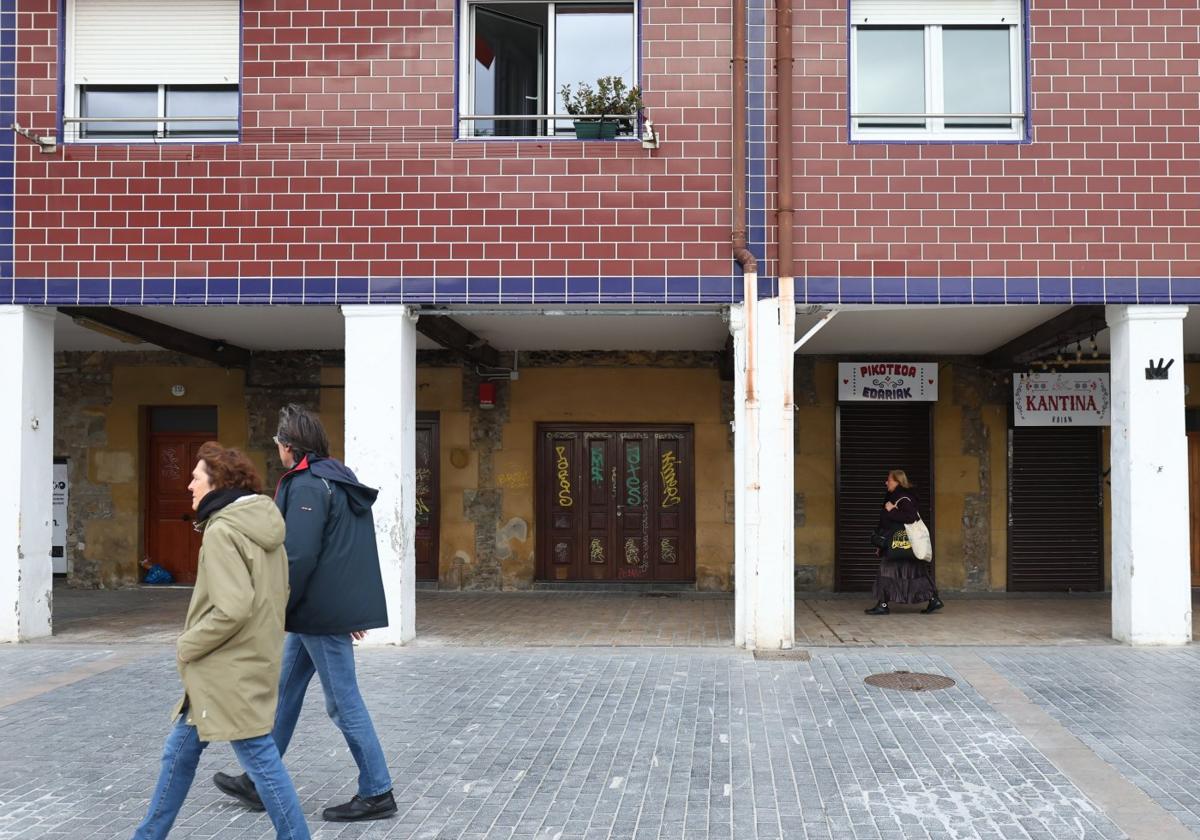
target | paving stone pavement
[
  {"x": 1139, "y": 710},
  {"x": 581, "y": 744}
]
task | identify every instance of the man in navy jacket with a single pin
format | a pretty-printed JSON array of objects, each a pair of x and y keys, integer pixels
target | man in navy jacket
[{"x": 336, "y": 596}]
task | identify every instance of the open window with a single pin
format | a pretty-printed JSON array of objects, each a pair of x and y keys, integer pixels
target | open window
[
  {"x": 937, "y": 70},
  {"x": 145, "y": 70},
  {"x": 514, "y": 58}
]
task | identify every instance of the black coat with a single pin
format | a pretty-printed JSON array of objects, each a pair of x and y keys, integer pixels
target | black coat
[
  {"x": 332, "y": 557},
  {"x": 901, "y": 515}
]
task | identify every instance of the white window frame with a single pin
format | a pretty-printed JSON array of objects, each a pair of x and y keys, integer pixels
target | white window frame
[
  {"x": 935, "y": 120},
  {"x": 73, "y": 132},
  {"x": 549, "y": 92}
]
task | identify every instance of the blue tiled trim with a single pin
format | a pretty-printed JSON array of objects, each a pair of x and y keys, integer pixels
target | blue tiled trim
[
  {"x": 758, "y": 67},
  {"x": 8, "y": 144},
  {"x": 216, "y": 291}
]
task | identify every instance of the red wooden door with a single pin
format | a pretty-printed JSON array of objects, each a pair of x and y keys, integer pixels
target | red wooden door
[
  {"x": 171, "y": 541},
  {"x": 615, "y": 503},
  {"x": 428, "y": 496}
]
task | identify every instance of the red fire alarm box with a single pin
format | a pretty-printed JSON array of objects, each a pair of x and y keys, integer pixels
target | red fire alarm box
[{"x": 487, "y": 394}]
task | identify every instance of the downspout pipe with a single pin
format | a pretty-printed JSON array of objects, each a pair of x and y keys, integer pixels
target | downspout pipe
[
  {"x": 785, "y": 203},
  {"x": 741, "y": 253}
]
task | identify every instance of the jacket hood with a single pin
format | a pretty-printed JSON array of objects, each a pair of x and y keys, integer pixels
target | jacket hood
[
  {"x": 360, "y": 496},
  {"x": 256, "y": 517}
]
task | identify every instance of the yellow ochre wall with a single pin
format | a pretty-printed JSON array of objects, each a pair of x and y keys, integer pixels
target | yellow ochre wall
[
  {"x": 547, "y": 395},
  {"x": 955, "y": 475},
  {"x": 116, "y": 544}
]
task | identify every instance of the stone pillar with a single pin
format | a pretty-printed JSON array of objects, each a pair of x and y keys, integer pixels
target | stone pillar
[
  {"x": 1152, "y": 598},
  {"x": 765, "y": 555},
  {"x": 27, "y": 418},
  {"x": 381, "y": 417}
]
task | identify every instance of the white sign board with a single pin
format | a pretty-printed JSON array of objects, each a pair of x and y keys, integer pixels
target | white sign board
[
  {"x": 1061, "y": 399},
  {"x": 887, "y": 382},
  {"x": 58, "y": 501}
]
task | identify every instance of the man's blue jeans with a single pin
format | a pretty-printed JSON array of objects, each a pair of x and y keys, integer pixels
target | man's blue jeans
[
  {"x": 332, "y": 659},
  {"x": 258, "y": 756}
]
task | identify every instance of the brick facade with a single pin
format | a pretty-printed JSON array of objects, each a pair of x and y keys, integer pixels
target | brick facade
[
  {"x": 348, "y": 181},
  {"x": 348, "y": 167}
]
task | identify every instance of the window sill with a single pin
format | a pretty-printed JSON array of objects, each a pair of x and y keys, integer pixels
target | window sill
[{"x": 151, "y": 141}]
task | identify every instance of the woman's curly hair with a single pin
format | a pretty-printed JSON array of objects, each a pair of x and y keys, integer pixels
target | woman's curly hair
[{"x": 229, "y": 468}]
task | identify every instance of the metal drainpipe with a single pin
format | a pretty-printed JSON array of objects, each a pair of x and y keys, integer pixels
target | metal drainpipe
[{"x": 784, "y": 65}]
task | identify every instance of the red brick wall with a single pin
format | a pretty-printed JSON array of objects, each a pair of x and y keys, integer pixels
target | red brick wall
[
  {"x": 1110, "y": 185},
  {"x": 366, "y": 180}
]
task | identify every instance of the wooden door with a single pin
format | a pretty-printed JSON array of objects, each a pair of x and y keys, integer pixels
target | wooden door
[
  {"x": 428, "y": 497},
  {"x": 171, "y": 540},
  {"x": 1194, "y": 494},
  {"x": 615, "y": 503}
]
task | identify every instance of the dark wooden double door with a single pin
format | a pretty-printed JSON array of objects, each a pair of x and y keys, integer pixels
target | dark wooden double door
[{"x": 615, "y": 503}]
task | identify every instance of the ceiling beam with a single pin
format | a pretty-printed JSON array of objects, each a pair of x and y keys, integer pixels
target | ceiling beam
[
  {"x": 1075, "y": 324},
  {"x": 213, "y": 350},
  {"x": 455, "y": 337}
]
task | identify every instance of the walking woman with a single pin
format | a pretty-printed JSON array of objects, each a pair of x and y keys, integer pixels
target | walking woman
[
  {"x": 902, "y": 579},
  {"x": 232, "y": 644}
]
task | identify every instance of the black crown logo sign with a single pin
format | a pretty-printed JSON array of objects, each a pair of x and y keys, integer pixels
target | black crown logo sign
[{"x": 1159, "y": 371}]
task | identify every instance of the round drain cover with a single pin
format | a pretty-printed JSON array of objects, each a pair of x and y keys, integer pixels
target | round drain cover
[{"x": 908, "y": 681}]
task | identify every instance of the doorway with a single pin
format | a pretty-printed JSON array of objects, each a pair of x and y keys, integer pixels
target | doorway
[
  {"x": 1194, "y": 501},
  {"x": 1055, "y": 510},
  {"x": 174, "y": 436},
  {"x": 873, "y": 438},
  {"x": 428, "y": 496},
  {"x": 615, "y": 502}
]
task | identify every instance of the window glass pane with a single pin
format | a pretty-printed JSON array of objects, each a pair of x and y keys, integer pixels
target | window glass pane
[
  {"x": 118, "y": 101},
  {"x": 508, "y": 68},
  {"x": 202, "y": 101},
  {"x": 891, "y": 75},
  {"x": 977, "y": 73},
  {"x": 591, "y": 42}
]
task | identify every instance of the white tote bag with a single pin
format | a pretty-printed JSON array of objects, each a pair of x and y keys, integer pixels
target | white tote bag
[{"x": 918, "y": 537}]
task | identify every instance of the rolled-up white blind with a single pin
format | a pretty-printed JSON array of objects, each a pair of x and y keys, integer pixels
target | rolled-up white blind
[
  {"x": 923, "y": 12},
  {"x": 155, "y": 41}
]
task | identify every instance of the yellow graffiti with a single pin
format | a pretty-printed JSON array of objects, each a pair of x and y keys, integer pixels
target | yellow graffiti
[
  {"x": 596, "y": 550},
  {"x": 670, "y": 480},
  {"x": 513, "y": 480},
  {"x": 422, "y": 507},
  {"x": 564, "y": 477}
]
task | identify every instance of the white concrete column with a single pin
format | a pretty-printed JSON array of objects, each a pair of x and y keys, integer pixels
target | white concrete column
[
  {"x": 27, "y": 421},
  {"x": 1152, "y": 598},
  {"x": 765, "y": 554},
  {"x": 381, "y": 422}
]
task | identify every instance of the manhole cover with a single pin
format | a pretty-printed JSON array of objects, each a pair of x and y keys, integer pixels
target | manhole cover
[
  {"x": 908, "y": 681},
  {"x": 794, "y": 655}
]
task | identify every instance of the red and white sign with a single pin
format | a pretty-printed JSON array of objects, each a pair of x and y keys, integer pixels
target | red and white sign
[
  {"x": 1061, "y": 399},
  {"x": 887, "y": 382}
]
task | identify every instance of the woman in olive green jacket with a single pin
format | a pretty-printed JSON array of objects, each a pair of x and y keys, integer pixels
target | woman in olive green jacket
[{"x": 232, "y": 644}]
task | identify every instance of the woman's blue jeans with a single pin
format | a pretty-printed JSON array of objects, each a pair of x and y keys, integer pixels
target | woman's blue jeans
[
  {"x": 259, "y": 757},
  {"x": 332, "y": 659}
]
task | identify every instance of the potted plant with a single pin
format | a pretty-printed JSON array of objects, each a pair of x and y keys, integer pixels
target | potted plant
[{"x": 598, "y": 106}]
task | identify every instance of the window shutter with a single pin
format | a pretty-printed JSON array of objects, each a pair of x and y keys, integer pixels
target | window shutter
[
  {"x": 924, "y": 12},
  {"x": 155, "y": 42}
]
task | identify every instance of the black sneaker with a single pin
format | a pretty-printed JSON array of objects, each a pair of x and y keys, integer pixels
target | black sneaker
[
  {"x": 240, "y": 788},
  {"x": 935, "y": 604},
  {"x": 878, "y": 609},
  {"x": 359, "y": 808}
]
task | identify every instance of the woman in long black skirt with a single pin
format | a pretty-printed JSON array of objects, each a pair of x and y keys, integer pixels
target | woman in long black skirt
[{"x": 903, "y": 579}]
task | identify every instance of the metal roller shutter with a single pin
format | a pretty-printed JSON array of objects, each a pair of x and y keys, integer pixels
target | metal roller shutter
[
  {"x": 874, "y": 438},
  {"x": 1055, "y": 510}
]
